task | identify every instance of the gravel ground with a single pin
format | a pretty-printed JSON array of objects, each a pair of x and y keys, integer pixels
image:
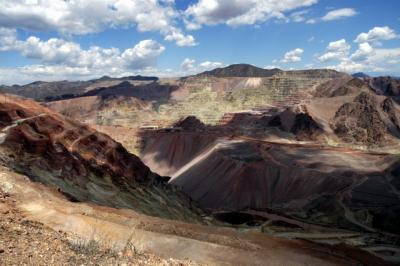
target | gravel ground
[{"x": 24, "y": 242}]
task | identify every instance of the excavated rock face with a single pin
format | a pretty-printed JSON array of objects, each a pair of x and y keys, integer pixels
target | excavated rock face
[
  {"x": 305, "y": 127},
  {"x": 190, "y": 123},
  {"x": 301, "y": 124},
  {"x": 359, "y": 121},
  {"x": 84, "y": 164}
]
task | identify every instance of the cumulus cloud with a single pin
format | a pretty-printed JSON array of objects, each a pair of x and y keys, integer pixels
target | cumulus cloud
[
  {"x": 366, "y": 57},
  {"x": 336, "y": 50},
  {"x": 385, "y": 59},
  {"x": 26, "y": 74},
  {"x": 176, "y": 35},
  {"x": 91, "y": 16},
  {"x": 207, "y": 65},
  {"x": 349, "y": 66},
  {"x": 293, "y": 56},
  {"x": 239, "y": 12},
  {"x": 376, "y": 34},
  {"x": 339, "y": 14},
  {"x": 381, "y": 60},
  {"x": 58, "y": 51},
  {"x": 364, "y": 50},
  {"x": 142, "y": 55},
  {"x": 189, "y": 66}
]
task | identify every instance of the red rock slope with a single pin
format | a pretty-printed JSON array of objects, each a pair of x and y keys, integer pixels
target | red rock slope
[{"x": 81, "y": 162}]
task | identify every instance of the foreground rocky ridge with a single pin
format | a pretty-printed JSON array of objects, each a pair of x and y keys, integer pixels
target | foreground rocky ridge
[
  {"x": 84, "y": 164},
  {"x": 23, "y": 241}
]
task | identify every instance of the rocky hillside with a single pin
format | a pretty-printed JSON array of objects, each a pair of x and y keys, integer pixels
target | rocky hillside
[
  {"x": 385, "y": 85},
  {"x": 367, "y": 120},
  {"x": 241, "y": 70},
  {"x": 341, "y": 87},
  {"x": 84, "y": 164},
  {"x": 207, "y": 97}
]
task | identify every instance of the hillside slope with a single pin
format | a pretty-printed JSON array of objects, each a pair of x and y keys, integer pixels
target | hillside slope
[{"x": 84, "y": 164}]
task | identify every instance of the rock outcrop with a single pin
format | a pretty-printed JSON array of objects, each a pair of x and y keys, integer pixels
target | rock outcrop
[
  {"x": 367, "y": 121},
  {"x": 299, "y": 123},
  {"x": 385, "y": 85},
  {"x": 341, "y": 87},
  {"x": 190, "y": 123}
]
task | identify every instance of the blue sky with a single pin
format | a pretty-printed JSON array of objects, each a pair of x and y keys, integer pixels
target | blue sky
[{"x": 57, "y": 39}]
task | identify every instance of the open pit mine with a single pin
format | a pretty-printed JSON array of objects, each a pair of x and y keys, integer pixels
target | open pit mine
[{"x": 235, "y": 166}]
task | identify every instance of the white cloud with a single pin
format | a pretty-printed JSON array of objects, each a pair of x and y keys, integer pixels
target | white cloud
[
  {"x": 239, "y": 12},
  {"x": 336, "y": 14},
  {"x": 217, "y": 11},
  {"x": 187, "y": 64},
  {"x": 376, "y": 34},
  {"x": 8, "y": 38},
  {"x": 388, "y": 59},
  {"x": 349, "y": 66},
  {"x": 335, "y": 51},
  {"x": 339, "y": 14},
  {"x": 364, "y": 50},
  {"x": 271, "y": 67},
  {"x": 91, "y": 16},
  {"x": 380, "y": 60},
  {"x": 208, "y": 65},
  {"x": 311, "y": 21},
  {"x": 142, "y": 55},
  {"x": 298, "y": 16},
  {"x": 69, "y": 54},
  {"x": 180, "y": 39},
  {"x": 26, "y": 74},
  {"x": 293, "y": 56},
  {"x": 368, "y": 58}
]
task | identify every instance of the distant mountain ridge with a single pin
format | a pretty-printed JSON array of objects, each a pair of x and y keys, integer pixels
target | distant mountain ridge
[
  {"x": 137, "y": 77},
  {"x": 47, "y": 91},
  {"x": 61, "y": 90},
  {"x": 241, "y": 70},
  {"x": 360, "y": 75},
  {"x": 247, "y": 70}
]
